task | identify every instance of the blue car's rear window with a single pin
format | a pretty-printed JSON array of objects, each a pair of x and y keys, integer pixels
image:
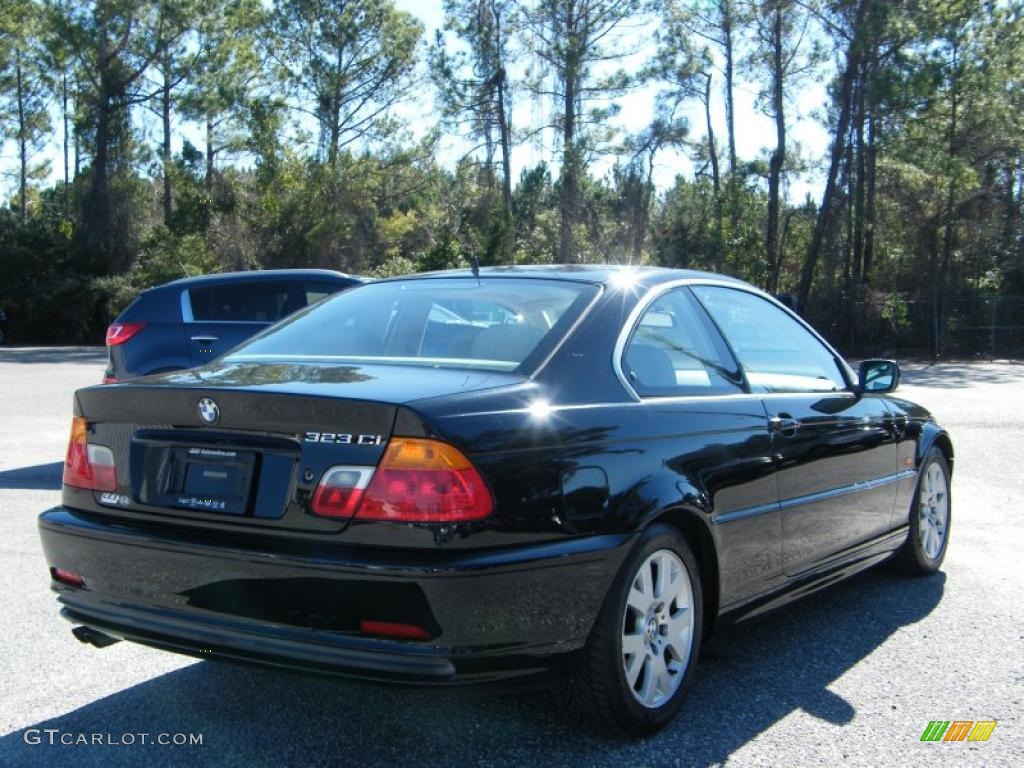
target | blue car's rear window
[{"x": 487, "y": 324}]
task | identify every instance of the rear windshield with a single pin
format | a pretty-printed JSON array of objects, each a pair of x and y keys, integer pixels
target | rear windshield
[{"x": 489, "y": 324}]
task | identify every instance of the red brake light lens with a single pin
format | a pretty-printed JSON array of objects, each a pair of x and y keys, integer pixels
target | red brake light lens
[
  {"x": 88, "y": 466},
  {"x": 425, "y": 481},
  {"x": 417, "y": 481},
  {"x": 119, "y": 333}
]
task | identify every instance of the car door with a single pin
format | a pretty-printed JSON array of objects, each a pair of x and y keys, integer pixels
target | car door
[
  {"x": 220, "y": 316},
  {"x": 835, "y": 450},
  {"x": 710, "y": 433}
]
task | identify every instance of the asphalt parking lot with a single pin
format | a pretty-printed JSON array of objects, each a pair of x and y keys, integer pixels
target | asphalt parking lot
[{"x": 851, "y": 675}]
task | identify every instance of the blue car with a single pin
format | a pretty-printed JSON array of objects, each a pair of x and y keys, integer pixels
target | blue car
[{"x": 191, "y": 321}]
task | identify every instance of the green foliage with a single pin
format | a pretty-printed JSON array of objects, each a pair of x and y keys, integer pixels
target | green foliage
[{"x": 352, "y": 59}]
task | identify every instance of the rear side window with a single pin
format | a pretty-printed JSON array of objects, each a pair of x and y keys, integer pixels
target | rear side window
[
  {"x": 777, "y": 353},
  {"x": 317, "y": 291},
  {"x": 674, "y": 350},
  {"x": 488, "y": 324},
  {"x": 254, "y": 302}
]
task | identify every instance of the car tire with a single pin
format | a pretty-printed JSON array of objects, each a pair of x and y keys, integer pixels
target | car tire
[
  {"x": 930, "y": 516},
  {"x": 635, "y": 694}
]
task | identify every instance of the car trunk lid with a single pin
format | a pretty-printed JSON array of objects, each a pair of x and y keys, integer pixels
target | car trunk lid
[{"x": 248, "y": 444}]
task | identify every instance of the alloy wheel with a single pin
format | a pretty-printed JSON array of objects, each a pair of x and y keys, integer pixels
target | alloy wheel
[
  {"x": 657, "y": 628},
  {"x": 933, "y": 511}
]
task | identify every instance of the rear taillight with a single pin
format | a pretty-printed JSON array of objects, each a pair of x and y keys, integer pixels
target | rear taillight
[
  {"x": 88, "y": 466},
  {"x": 119, "y": 333},
  {"x": 417, "y": 481}
]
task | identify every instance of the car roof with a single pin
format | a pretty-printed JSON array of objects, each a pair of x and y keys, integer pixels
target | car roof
[
  {"x": 258, "y": 275},
  {"x": 582, "y": 273}
]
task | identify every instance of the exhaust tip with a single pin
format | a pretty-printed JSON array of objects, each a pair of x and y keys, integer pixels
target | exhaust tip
[{"x": 93, "y": 637}]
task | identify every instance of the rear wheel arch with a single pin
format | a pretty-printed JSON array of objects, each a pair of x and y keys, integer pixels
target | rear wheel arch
[{"x": 697, "y": 533}]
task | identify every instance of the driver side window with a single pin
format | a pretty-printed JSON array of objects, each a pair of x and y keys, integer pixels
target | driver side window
[{"x": 777, "y": 353}]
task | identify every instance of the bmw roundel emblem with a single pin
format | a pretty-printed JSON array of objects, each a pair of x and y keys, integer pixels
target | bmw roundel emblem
[{"x": 208, "y": 411}]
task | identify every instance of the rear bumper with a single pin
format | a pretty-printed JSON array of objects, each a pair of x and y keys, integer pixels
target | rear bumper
[{"x": 490, "y": 615}]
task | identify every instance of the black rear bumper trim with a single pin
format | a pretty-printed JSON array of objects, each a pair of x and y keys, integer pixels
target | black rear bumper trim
[{"x": 204, "y": 641}]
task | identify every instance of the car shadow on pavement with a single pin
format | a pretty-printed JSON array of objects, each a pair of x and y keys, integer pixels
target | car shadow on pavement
[
  {"x": 750, "y": 678},
  {"x": 960, "y": 375},
  {"x": 89, "y": 355},
  {"x": 41, "y": 477}
]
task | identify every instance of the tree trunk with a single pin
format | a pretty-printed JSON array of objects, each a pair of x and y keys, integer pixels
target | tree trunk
[
  {"x": 712, "y": 149},
  {"x": 642, "y": 211},
  {"x": 859, "y": 188},
  {"x": 730, "y": 114},
  {"x": 849, "y": 244},
  {"x": 75, "y": 136},
  {"x": 716, "y": 179},
  {"x": 948, "y": 231},
  {"x": 506, "y": 141},
  {"x": 778, "y": 157},
  {"x": 870, "y": 214},
  {"x": 22, "y": 141},
  {"x": 64, "y": 117},
  {"x": 165, "y": 113},
  {"x": 853, "y": 54},
  {"x": 566, "y": 247},
  {"x": 209, "y": 151},
  {"x": 97, "y": 217},
  {"x": 335, "y": 130},
  {"x": 1011, "y": 213}
]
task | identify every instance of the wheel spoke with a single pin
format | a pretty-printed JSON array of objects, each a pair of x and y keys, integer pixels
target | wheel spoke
[
  {"x": 678, "y": 638},
  {"x": 650, "y": 681},
  {"x": 633, "y": 644},
  {"x": 663, "y": 683},
  {"x": 638, "y": 601},
  {"x": 643, "y": 581},
  {"x": 664, "y": 577},
  {"x": 633, "y": 667}
]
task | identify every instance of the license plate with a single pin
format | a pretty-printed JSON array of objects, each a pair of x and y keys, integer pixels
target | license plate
[{"x": 213, "y": 479}]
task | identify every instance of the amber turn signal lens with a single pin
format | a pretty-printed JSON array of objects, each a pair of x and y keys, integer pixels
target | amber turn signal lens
[{"x": 416, "y": 453}]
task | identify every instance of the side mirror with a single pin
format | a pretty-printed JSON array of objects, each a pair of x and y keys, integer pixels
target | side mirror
[{"x": 878, "y": 376}]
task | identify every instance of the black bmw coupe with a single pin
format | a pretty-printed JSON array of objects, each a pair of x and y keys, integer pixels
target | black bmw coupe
[{"x": 468, "y": 477}]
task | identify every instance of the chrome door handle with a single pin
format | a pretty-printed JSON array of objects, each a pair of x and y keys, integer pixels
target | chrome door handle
[
  {"x": 204, "y": 338},
  {"x": 783, "y": 424}
]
